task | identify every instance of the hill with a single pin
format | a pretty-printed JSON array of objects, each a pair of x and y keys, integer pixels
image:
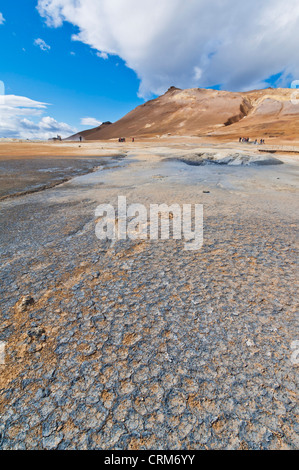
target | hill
[{"x": 201, "y": 112}]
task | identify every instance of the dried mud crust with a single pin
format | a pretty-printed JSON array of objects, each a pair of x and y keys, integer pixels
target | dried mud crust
[{"x": 145, "y": 346}]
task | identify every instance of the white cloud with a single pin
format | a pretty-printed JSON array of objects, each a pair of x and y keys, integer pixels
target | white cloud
[
  {"x": 1, "y": 18},
  {"x": 197, "y": 73},
  {"x": 16, "y": 120},
  {"x": 42, "y": 44},
  {"x": 102, "y": 55},
  {"x": 167, "y": 42},
  {"x": 21, "y": 102},
  {"x": 90, "y": 122}
]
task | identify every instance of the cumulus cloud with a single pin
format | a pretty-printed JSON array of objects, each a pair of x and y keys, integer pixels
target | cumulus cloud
[
  {"x": 230, "y": 43},
  {"x": 90, "y": 122},
  {"x": 21, "y": 118},
  {"x": 1, "y": 18},
  {"x": 42, "y": 44}
]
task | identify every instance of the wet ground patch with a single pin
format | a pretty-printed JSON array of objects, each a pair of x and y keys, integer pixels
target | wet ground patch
[{"x": 19, "y": 176}]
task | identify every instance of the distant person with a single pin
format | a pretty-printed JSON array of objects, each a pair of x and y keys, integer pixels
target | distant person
[
  {"x": 80, "y": 138},
  {"x": 133, "y": 139}
]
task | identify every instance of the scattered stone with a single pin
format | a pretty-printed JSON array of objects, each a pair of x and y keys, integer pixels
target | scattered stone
[
  {"x": 25, "y": 302},
  {"x": 37, "y": 333},
  {"x": 34, "y": 348}
]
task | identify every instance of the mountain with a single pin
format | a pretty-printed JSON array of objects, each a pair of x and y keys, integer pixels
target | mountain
[{"x": 201, "y": 112}]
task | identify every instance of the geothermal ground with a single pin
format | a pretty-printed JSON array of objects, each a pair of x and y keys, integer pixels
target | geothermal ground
[{"x": 140, "y": 344}]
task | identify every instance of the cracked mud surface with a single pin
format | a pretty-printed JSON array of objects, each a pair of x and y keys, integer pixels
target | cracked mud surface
[{"x": 140, "y": 344}]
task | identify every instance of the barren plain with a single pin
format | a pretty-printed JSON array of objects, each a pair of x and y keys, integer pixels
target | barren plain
[{"x": 139, "y": 344}]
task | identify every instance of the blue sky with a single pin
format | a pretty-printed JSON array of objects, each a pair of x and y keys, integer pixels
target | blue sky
[
  {"x": 99, "y": 59},
  {"x": 69, "y": 76}
]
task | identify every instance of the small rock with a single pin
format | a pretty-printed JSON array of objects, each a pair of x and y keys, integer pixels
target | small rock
[
  {"x": 214, "y": 419},
  {"x": 34, "y": 348},
  {"x": 42, "y": 393},
  {"x": 90, "y": 351},
  {"x": 37, "y": 333},
  {"x": 26, "y": 301}
]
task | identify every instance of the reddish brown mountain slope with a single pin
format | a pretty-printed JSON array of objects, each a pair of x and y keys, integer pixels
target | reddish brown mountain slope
[{"x": 200, "y": 112}]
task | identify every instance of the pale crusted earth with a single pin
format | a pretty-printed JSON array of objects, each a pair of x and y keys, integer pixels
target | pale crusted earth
[{"x": 140, "y": 344}]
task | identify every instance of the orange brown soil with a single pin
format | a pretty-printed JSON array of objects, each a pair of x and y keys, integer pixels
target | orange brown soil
[{"x": 32, "y": 150}]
